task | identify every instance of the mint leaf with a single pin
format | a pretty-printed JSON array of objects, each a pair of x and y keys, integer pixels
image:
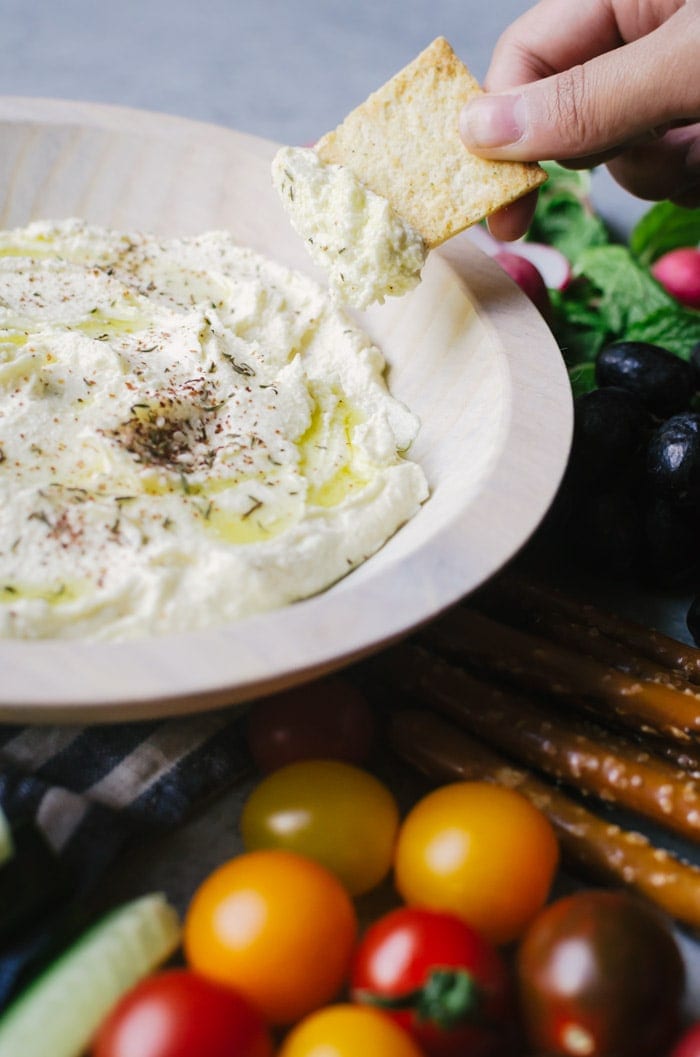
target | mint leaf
[
  {"x": 582, "y": 378},
  {"x": 576, "y": 182},
  {"x": 563, "y": 221},
  {"x": 675, "y": 328},
  {"x": 664, "y": 227},
  {"x": 579, "y": 304},
  {"x": 627, "y": 292},
  {"x": 578, "y": 327},
  {"x": 564, "y": 217},
  {"x": 579, "y": 345}
]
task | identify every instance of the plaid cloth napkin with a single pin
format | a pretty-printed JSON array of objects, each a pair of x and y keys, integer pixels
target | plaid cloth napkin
[{"x": 75, "y": 796}]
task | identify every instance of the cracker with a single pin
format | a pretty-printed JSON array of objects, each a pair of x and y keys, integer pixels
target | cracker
[{"x": 403, "y": 143}]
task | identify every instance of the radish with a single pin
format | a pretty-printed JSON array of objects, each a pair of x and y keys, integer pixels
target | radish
[
  {"x": 484, "y": 240},
  {"x": 528, "y": 278},
  {"x": 678, "y": 271},
  {"x": 552, "y": 265}
]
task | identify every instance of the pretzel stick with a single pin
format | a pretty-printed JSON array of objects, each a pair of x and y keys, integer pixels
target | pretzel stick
[
  {"x": 534, "y": 662},
  {"x": 589, "y": 844},
  {"x": 580, "y": 754},
  {"x": 665, "y": 651},
  {"x": 683, "y": 756},
  {"x": 511, "y": 608}
]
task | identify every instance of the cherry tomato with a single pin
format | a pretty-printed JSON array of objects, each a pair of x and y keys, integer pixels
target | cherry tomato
[
  {"x": 276, "y": 926},
  {"x": 348, "y": 1031},
  {"x": 599, "y": 973},
  {"x": 342, "y": 817},
  {"x": 438, "y": 978},
  {"x": 689, "y": 1043},
  {"x": 480, "y": 851},
  {"x": 328, "y": 719},
  {"x": 179, "y": 1014}
]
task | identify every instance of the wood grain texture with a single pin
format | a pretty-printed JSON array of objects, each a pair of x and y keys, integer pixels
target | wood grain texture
[{"x": 465, "y": 350}]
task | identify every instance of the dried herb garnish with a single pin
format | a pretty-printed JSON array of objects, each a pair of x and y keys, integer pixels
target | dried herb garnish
[
  {"x": 257, "y": 503},
  {"x": 171, "y": 431},
  {"x": 240, "y": 368}
]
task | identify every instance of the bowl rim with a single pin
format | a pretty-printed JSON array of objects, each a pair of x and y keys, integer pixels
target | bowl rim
[{"x": 540, "y": 394}]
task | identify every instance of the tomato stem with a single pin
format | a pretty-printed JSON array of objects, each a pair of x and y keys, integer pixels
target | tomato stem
[{"x": 448, "y": 998}]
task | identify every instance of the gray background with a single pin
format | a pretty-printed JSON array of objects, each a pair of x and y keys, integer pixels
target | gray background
[{"x": 285, "y": 69}]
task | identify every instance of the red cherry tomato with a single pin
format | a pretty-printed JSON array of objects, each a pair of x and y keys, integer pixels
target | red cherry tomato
[
  {"x": 180, "y": 1014},
  {"x": 329, "y": 719},
  {"x": 689, "y": 1043},
  {"x": 438, "y": 978}
]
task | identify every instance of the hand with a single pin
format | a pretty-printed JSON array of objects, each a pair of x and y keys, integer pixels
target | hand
[{"x": 598, "y": 81}]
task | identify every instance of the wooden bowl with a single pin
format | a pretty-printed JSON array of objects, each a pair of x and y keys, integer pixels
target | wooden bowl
[{"x": 466, "y": 351}]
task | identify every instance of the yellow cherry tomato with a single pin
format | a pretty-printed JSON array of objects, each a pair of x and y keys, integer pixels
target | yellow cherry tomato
[
  {"x": 348, "y": 1031},
  {"x": 480, "y": 851},
  {"x": 276, "y": 926},
  {"x": 337, "y": 814}
]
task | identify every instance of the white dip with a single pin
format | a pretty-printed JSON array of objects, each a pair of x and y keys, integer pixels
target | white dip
[
  {"x": 369, "y": 250},
  {"x": 189, "y": 433}
]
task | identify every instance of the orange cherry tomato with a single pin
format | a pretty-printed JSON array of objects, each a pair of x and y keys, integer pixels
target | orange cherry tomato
[
  {"x": 348, "y": 1031},
  {"x": 335, "y": 813},
  {"x": 480, "y": 851},
  {"x": 276, "y": 926}
]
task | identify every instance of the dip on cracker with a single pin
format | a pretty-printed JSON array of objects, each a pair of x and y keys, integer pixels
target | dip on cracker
[
  {"x": 394, "y": 180},
  {"x": 370, "y": 251}
]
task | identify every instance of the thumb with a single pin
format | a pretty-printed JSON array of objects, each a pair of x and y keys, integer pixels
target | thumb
[{"x": 612, "y": 100}]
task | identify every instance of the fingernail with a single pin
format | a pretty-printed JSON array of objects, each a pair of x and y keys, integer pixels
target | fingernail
[{"x": 493, "y": 121}]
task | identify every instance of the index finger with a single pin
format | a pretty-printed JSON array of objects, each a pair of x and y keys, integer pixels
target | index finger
[{"x": 512, "y": 221}]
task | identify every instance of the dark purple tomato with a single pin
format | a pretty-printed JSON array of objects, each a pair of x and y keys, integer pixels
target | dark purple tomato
[
  {"x": 599, "y": 973},
  {"x": 328, "y": 719}
]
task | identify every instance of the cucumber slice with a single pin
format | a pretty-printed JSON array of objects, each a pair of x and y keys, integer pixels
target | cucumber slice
[{"x": 59, "y": 1012}]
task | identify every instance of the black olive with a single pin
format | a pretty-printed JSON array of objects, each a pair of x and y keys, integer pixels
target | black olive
[
  {"x": 611, "y": 427},
  {"x": 671, "y": 551},
  {"x": 695, "y": 363},
  {"x": 673, "y": 459},
  {"x": 664, "y": 382},
  {"x": 605, "y": 533},
  {"x": 693, "y": 619}
]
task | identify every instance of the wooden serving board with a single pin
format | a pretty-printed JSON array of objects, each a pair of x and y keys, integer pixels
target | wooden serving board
[{"x": 466, "y": 350}]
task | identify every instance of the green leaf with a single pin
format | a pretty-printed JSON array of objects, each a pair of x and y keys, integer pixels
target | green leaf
[
  {"x": 582, "y": 378},
  {"x": 579, "y": 304},
  {"x": 579, "y": 344},
  {"x": 675, "y": 328},
  {"x": 664, "y": 227},
  {"x": 576, "y": 182},
  {"x": 627, "y": 292},
  {"x": 563, "y": 221}
]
